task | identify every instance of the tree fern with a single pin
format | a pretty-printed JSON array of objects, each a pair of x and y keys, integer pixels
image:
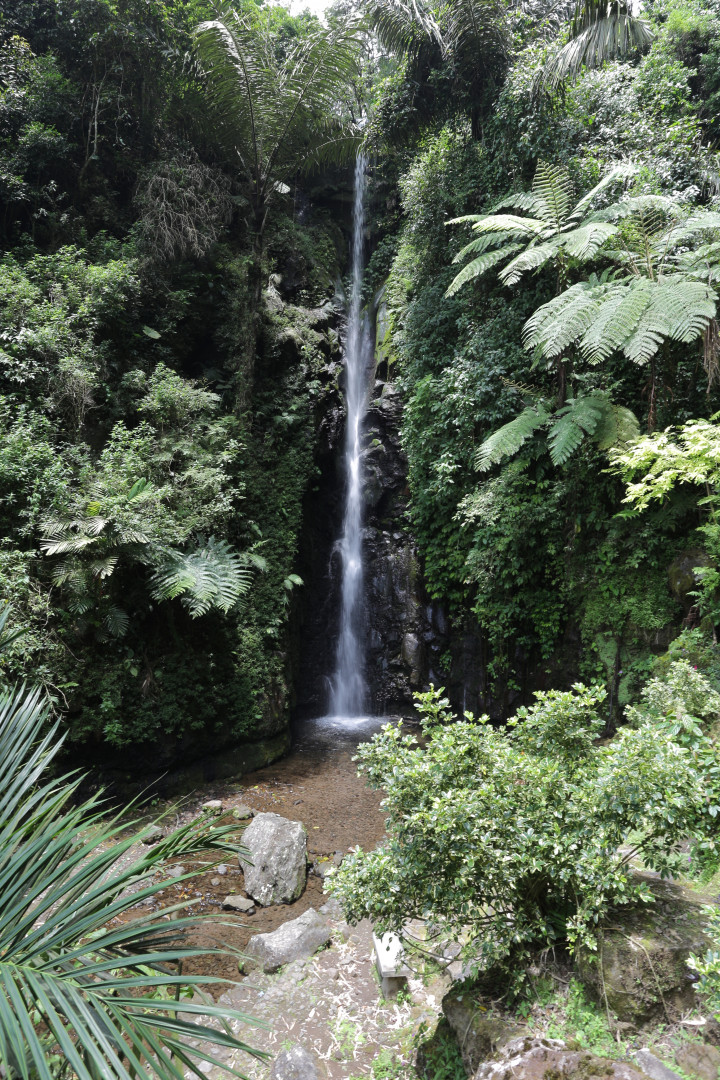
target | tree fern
[
  {"x": 591, "y": 416},
  {"x": 212, "y": 577},
  {"x": 556, "y": 231}
]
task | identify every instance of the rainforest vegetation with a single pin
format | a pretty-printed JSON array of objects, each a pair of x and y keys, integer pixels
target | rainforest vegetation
[{"x": 544, "y": 247}]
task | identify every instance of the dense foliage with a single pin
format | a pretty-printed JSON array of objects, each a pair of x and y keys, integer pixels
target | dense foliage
[
  {"x": 585, "y": 312},
  {"x": 148, "y": 536}
]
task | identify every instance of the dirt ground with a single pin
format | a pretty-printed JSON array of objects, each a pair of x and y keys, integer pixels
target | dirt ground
[{"x": 318, "y": 785}]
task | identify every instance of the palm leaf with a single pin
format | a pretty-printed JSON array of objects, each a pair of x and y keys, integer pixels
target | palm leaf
[
  {"x": 104, "y": 993},
  {"x": 602, "y": 31}
]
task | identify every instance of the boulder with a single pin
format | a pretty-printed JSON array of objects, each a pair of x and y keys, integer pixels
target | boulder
[
  {"x": 294, "y": 1064},
  {"x": 294, "y": 940},
  {"x": 153, "y": 834},
  {"x": 479, "y": 1033},
  {"x": 238, "y": 903},
  {"x": 277, "y": 870},
  {"x": 699, "y": 1059},
  {"x": 242, "y": 812},
  {"x": 212, "y": 806},
  {"x": 640, "y": 969},
  {"x": 655, "y": 1068},
  {"x": 538, "y": 1059}
]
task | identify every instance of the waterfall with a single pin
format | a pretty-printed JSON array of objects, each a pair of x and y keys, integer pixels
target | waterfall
[{"x": 348, "y": 683}]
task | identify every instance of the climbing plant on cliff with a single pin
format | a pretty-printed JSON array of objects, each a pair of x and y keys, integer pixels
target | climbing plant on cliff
[{"x": 505, "y": 839}]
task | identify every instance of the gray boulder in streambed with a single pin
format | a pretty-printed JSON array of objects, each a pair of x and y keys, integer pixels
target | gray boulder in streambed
[
  {"x": 277, "y": 870},
  {"x": 294, "y": 940}
]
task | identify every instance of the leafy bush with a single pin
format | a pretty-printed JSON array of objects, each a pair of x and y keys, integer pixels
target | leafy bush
[{"x": 502, "y": 839}]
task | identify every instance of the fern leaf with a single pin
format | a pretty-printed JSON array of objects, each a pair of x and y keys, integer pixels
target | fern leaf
[
  {"x": 620, "y": 172},
  {"x": 532, "y": 258},
  {"x": 480, "y": 266},
  {"x": 508, "y": 439},
  {"x": 212, "y": 577},
  {"x": 580, "y": 417},
  {"x": 565, "y": 318},
  {"x": 553, "y": 188},
  {"x": 481, "y": 244},
  {"x": 618, "y": 427},
  {"x": 584, "y": 242},
  {"x": 564, "y": 438}
]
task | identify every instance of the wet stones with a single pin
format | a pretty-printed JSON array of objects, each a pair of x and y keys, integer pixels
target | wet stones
[{"x": 276, "y": 871}]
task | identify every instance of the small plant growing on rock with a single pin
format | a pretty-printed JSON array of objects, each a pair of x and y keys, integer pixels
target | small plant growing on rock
[{"x": 503, "y": 839}]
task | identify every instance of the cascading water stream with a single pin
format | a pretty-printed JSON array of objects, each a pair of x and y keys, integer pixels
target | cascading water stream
[{"x": 348, "y": 683}]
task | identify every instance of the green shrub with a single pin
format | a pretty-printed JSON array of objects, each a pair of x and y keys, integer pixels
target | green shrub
[{"x": 502, "y": 839}]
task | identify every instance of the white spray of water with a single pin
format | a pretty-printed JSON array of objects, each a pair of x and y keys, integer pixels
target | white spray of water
[{"x": 348, "y": 684}]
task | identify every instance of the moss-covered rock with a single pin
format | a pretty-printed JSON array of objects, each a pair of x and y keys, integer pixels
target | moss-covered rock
[{"x": 640, "y": 970}]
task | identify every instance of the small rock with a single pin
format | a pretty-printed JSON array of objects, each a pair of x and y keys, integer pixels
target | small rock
[
  {"x": 294, "y": 940},
  {"x": 654, "y": 1067},
  {"x": 238, "y": 903},
  {"x": 294, "y": 1064},
  {"x": 243, "y": 812},
  {"x": 322, "y": 868},
  {"x": 338, "y": 858},
  {"x": 332, "y": 908},
  {"x": 212, "y": 805},
  {"x": 331, "y": 974},
  {"x": 221, "y": 869},
  {"x": 175, "y": 871},
  {"x": 215, "y": 881},
  {"x": 154, "y": 834}
]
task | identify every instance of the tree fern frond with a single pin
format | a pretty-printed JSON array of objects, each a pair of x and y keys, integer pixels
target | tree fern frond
[
  {"x": 616, "y": 319},
  {"x": 617, "y": 427},
  {"x": 480, "y": 266},
  {"x": 508, "y": 439},
  {"x": 532, "y": 258},
  {"x": 481, "y": 244},
  {"x": 584, "y": 242},
  {"x": 557, "y": 324},
  {"x": 212, "y": 577},
  {"x": 620, "y": 172},
  {"x": 553, "y": 188},
  {"x": 511, "y": 223},
  {"x": 580, "y": 417}
]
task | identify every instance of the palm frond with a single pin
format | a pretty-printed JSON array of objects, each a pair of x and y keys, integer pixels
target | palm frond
[
  {"x": 602, "y": 31},
  {"x": 74, "y": 981},
  {"x": 404, "y": 27}
]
